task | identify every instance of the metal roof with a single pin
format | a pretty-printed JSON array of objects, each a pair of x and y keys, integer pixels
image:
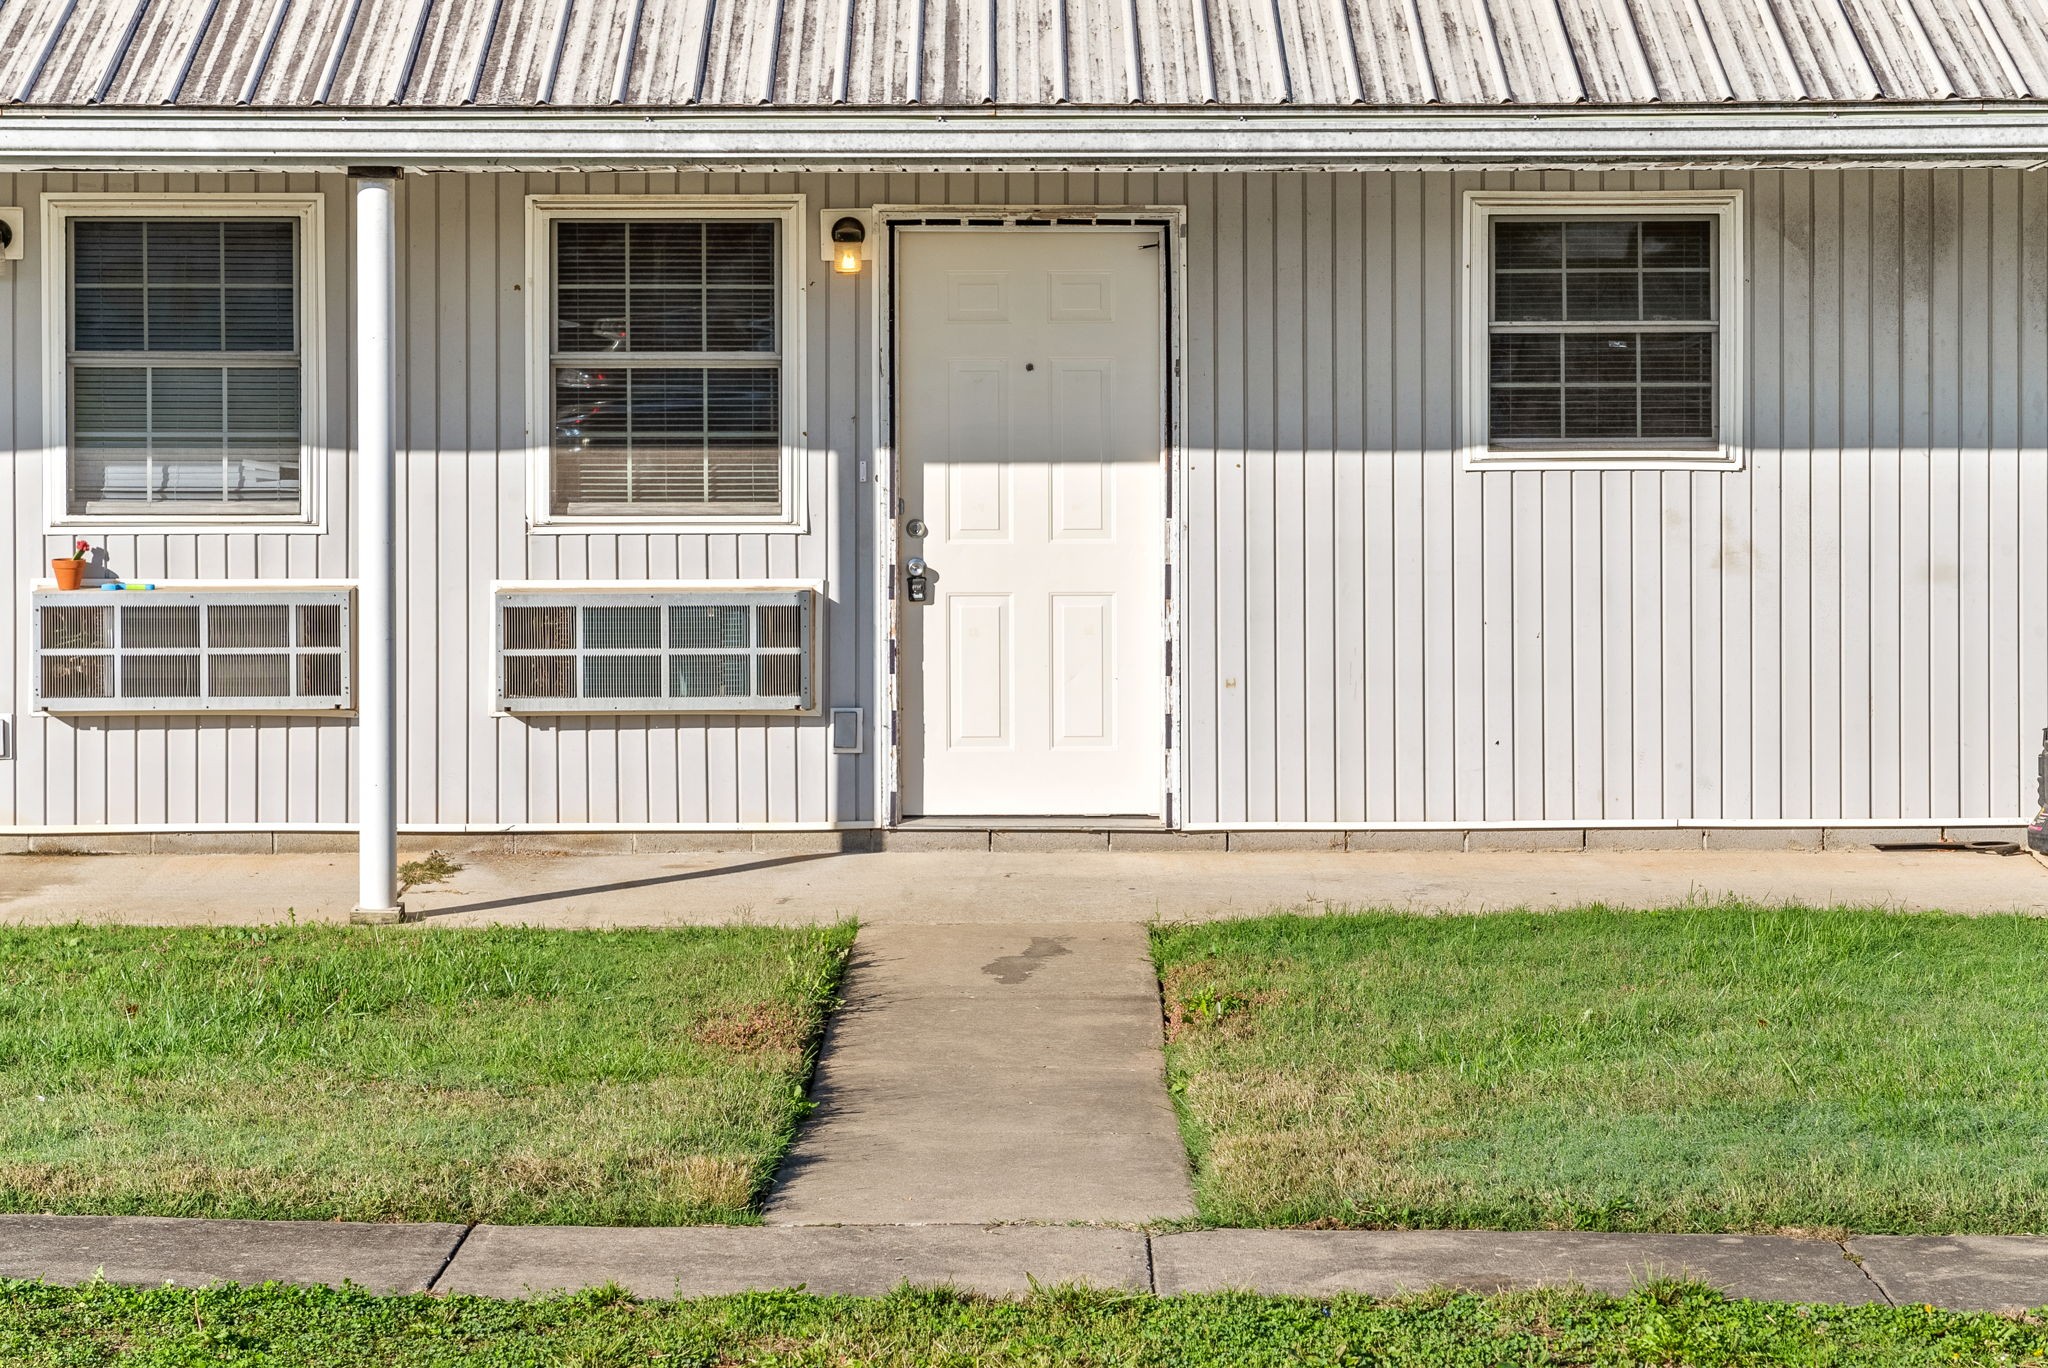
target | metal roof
[{"x": 812, "y": 54}]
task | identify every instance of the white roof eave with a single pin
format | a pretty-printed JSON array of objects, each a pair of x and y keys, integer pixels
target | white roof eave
[{"x": 1152, "y": 139}]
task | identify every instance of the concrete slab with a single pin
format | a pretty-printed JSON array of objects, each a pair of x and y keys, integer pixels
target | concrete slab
[
  {"x": 150, "y": 1250},
  {"x": 904, "y": 888},
  {"x": 1958, "y": 1272},
  {"x": 702, "y": 1261},
  {"x": 991, "y": 1073},
  {"x": 1382, "y": 1263}
]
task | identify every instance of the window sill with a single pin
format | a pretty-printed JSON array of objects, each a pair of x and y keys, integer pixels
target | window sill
[
  {"x": 1596, "y": 458},
  {"x": 126, "y": 523},
  {"x": 653, "y": 525}
]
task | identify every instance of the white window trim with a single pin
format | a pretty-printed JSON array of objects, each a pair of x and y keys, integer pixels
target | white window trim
[
  {"x": 310, "y": 211},
  {"x": 1482, "y": 207},
  {"x": 542, "y": 211}
]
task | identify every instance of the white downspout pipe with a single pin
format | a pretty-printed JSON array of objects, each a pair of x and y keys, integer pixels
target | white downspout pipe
[{"x": 376, "y": 482}]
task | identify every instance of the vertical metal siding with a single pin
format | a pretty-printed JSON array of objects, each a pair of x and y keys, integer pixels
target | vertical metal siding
[{"x": 1851, "y": 627}]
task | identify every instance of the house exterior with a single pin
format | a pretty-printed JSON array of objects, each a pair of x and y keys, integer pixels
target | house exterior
[{"x": 1169, "y": 415}]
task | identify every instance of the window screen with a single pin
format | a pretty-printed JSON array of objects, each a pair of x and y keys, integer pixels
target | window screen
[
  {"x": 666, "y": 370},
  {"x": 184, "y": 365},
  {"x": 1602, "y": 332},
  {"x": 693, "y": 651},
  {"x": 192, "y": 652}
]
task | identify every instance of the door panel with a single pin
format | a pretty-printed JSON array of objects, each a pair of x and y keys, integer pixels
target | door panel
[{"x": 1030, "y": 381}]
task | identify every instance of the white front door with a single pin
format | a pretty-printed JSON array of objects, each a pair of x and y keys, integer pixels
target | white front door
[{"x": 1030, "y": 418}]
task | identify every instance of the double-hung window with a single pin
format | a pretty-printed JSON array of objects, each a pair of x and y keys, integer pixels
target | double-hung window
[
  {"x": 1601, "y": 332},
  {"x": 667, "y": 375},
  {"x": 185, "y": 360}
]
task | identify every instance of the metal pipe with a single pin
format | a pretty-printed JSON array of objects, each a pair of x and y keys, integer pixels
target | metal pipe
[{"x": 376, "y": 482}]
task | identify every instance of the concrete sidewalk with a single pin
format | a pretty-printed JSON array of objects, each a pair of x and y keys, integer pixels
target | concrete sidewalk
[
  {"x": 991, "y": 1073},
  {"x": 925, "y": 888},
  {"x": 1967, "y": 1273}
]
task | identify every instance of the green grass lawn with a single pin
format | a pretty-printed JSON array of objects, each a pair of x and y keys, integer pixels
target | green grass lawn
[
  {"x": 629, "y": 1077},
  {"x": 1714, "y": 1068},
  {"x": 278, "y": 1327}
]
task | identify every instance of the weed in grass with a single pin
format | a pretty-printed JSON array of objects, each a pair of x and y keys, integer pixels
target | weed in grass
[
  {"x": 1716, "y": 1067},
  {"x": 433, "y": 868}
]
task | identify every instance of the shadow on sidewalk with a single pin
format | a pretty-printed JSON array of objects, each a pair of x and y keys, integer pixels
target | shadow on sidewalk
[{"x": 627, "y": 885}]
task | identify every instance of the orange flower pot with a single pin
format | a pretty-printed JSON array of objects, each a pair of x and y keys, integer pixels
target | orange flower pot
[{"x": 70, "y": 573}]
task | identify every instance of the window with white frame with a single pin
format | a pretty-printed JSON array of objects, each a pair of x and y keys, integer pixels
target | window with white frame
[
  {"x": 184, "y": 365},
  {"x": 669, "y": 651},
  {"x": 192, "y": 651},
  {"x": 666, "y": 372},
  {"x": 1601, "y": 331}
]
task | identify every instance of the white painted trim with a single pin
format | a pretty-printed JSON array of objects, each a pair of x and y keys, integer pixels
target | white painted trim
[
  {"x": 889, "y": 665},
  {"x": 788, "y": 211},
  {"x": 1482, "y": 207},
  {"x": 316, "y": 439},
  {"x": 1637, "y": 824},
  {"x": 419, "y": 828},
  {"x": 1206, "y": 138},
  {"x": 816, "y": 586},
  {"x": 516, "y": 828}
]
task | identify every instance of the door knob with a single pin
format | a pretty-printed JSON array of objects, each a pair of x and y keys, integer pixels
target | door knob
[{"x": 917, "y": 587}]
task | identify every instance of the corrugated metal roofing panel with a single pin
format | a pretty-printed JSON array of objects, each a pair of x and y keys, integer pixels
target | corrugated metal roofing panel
[
  {"x": 59, "y": 51},
  {"x": 2019, "y": 28},
  {"x": 885, "y": 41},
  {"x": 1015, "y": 53}
]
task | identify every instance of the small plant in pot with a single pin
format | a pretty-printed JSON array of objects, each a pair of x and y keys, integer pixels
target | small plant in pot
[{"x": 70, "y": 570}]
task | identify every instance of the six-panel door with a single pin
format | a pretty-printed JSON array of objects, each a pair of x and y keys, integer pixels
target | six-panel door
[{"x": 1030, "y": 384}]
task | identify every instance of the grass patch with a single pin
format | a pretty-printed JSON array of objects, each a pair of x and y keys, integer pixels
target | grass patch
[
  {"x": 1710, "y": 1068},
  {"x": 601, "y": 1077},
  {"x": 270, "y": 1327}
]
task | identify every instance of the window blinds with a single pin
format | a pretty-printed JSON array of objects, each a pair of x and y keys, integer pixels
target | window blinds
[
  {"x": 184, "y": 364},
  {"x": 667, "y": 371},
  {"x": 1603, "y": 332}
]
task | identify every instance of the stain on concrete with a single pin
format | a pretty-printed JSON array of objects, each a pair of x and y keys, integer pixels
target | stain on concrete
[{"x": 1017, "y": 968}]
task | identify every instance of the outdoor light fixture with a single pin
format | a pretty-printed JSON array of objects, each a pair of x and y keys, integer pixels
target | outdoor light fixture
[{"x": 849, "y": 236}]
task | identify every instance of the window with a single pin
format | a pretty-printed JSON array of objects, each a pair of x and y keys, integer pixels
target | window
[
  {"x": 184, "y": 364},
  {"x": 680, "y": 651},
  {"x": 173, "y": 651},
  {"x": 1602, "y": 332},
  {"x": 666, "y": 372},
  {"x": 187, "y": 363}
]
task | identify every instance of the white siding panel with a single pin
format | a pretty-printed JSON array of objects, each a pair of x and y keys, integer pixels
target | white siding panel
[{"x": 1849, "y": 628}]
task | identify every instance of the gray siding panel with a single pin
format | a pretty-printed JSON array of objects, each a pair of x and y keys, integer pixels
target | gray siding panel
[{"x": 1850, "y": 628}]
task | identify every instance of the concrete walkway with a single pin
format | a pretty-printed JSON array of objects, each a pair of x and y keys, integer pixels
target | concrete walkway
[
  {"x": 1981, "y": 1273},
  {"x": 991, "y": 1073},
  {"x": 888, "y": 888}
]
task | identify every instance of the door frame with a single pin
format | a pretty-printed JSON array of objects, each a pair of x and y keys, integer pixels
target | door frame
[{"x": 1170, "y": 221}]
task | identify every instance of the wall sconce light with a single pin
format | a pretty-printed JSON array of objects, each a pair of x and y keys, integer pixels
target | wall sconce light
[
  {"x": 849, "y": 245},
  {"x": 846, "y": 238}
]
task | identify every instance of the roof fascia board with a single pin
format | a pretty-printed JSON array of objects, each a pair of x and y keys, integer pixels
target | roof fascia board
[{"x": 1948, "y": 134}]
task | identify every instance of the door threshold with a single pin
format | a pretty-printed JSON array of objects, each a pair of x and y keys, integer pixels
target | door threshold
[{"x": 1112, "y": 823}]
